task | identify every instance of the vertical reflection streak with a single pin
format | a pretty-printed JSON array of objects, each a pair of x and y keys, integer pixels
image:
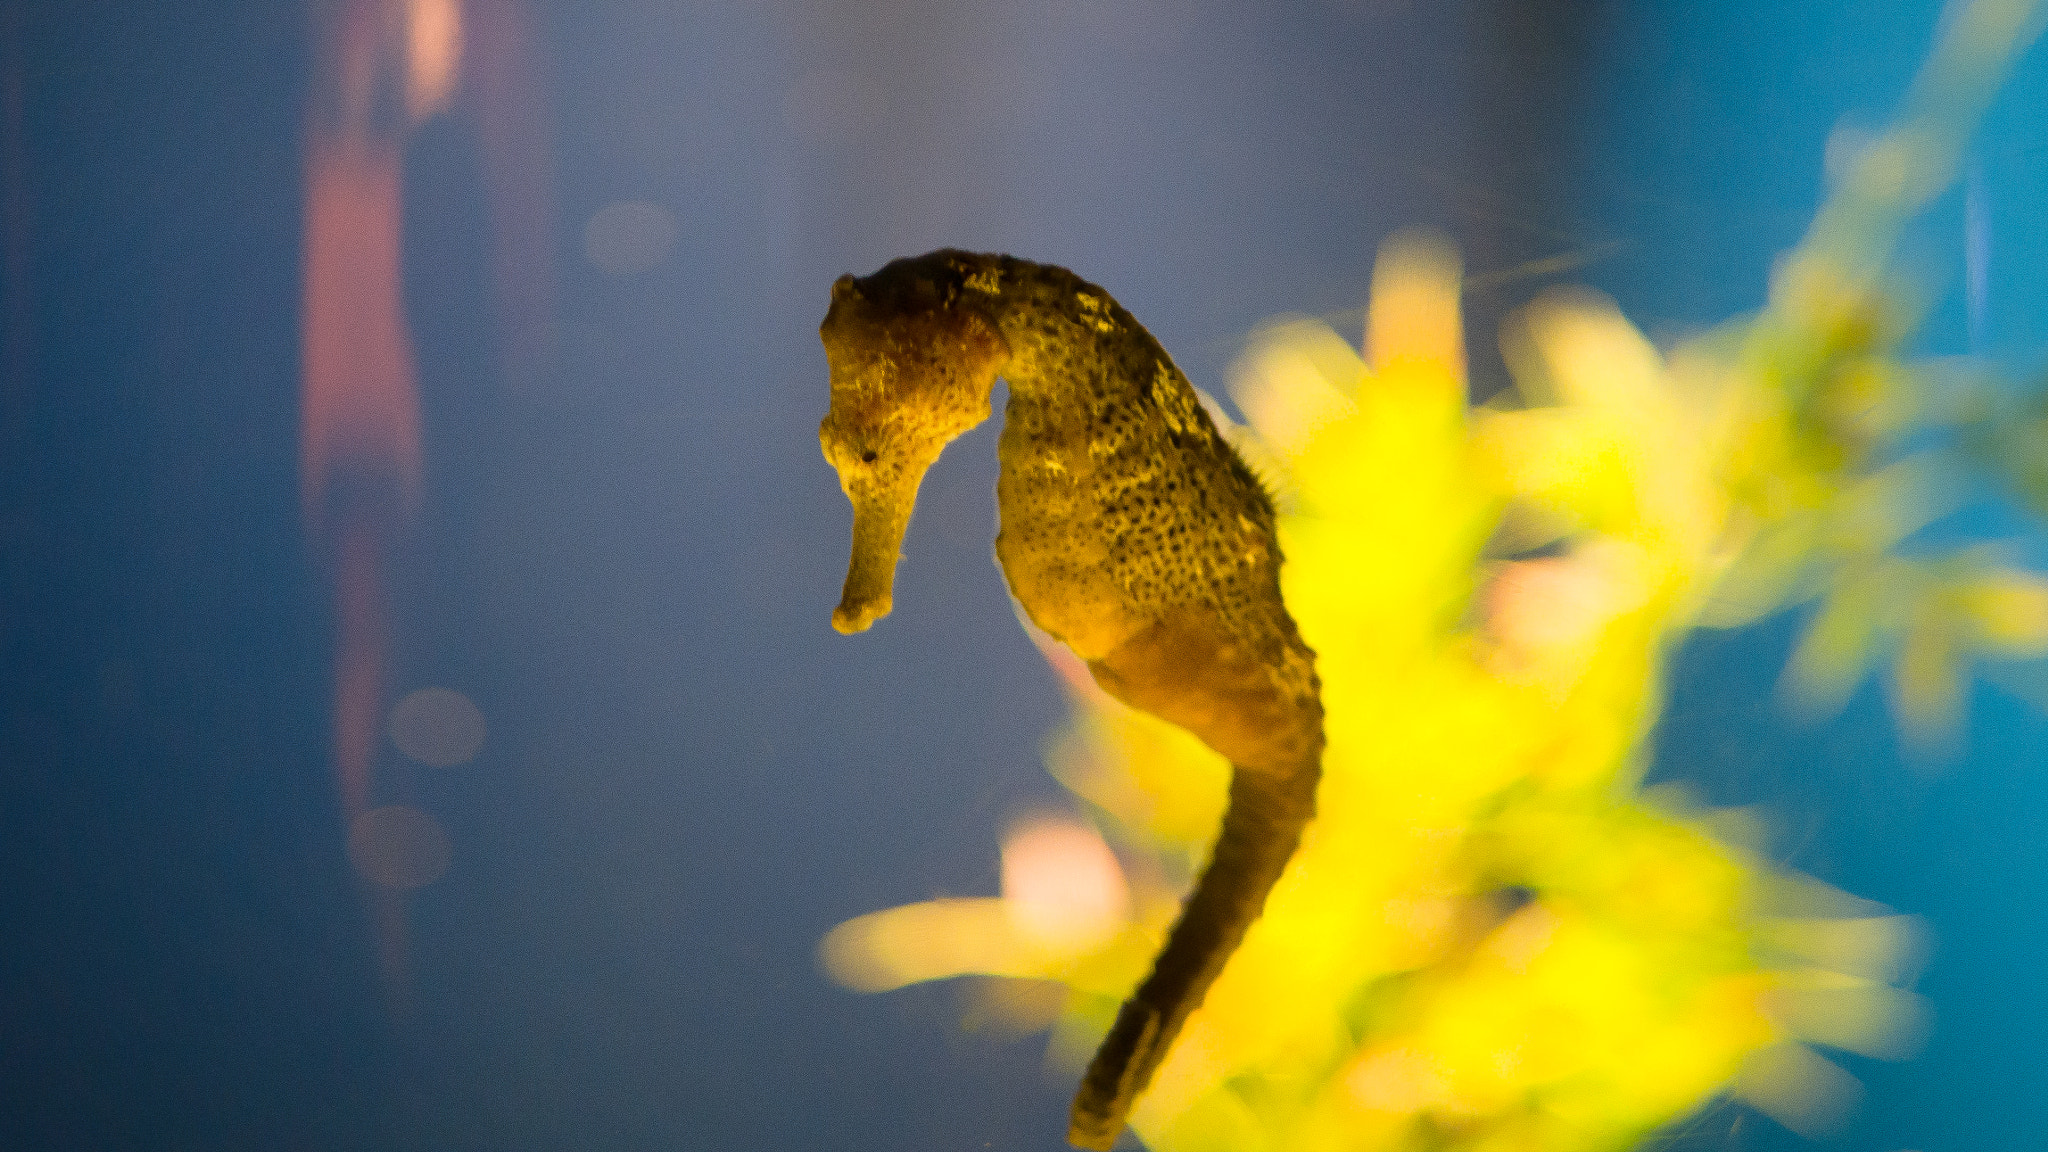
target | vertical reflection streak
[
  {"x": 383, "y": 67},
  {"x": 360, "y": 432}
]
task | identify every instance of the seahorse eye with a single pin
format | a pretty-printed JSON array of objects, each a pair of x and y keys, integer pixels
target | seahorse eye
[{"x": 867, "y": 457}]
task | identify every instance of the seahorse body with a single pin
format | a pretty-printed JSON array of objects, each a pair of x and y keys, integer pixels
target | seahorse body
[{"x": 1129, "y": 530}]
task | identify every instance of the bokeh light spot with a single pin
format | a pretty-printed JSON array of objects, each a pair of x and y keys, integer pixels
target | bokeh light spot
[
  {"x": 437, "y": 727},
  {"x": 629, "y": 237},
  {"x": 1061, "y": 884},
  {"x": 397, "y": 847}
]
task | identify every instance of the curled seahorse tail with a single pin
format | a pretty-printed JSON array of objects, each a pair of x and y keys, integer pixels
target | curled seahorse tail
[{"x": 1260, "y": 830}]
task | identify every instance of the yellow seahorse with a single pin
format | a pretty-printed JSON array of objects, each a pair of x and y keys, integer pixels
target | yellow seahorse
[{"x": 1130, "y": 531}]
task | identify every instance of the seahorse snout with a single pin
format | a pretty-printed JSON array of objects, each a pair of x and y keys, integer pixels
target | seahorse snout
[{"x": 878, "y": 526}]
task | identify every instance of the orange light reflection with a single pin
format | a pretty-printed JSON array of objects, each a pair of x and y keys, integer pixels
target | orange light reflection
[{"x": 360, "y": 452}]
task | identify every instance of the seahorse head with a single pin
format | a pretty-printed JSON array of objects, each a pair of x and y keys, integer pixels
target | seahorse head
[{"x": 912, "y": 362}]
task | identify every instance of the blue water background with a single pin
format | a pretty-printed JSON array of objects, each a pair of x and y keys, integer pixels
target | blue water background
[{"x": 628, "y": 561}]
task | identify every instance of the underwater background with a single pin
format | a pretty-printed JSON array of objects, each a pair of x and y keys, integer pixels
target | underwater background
[{"x": 614, "y": 535}]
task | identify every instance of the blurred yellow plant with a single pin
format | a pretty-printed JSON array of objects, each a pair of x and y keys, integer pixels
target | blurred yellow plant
[{"x": 1491, "y": 938}]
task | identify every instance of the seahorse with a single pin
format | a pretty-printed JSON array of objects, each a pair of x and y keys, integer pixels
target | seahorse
[{"x": 1129, "y": 530}]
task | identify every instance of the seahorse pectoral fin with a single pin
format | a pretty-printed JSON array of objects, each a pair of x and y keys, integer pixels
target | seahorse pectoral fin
[{"x": 880, "y": 519}]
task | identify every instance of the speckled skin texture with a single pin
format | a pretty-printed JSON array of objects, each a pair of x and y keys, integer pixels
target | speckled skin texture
[{"x": 1130, "y": 531}]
